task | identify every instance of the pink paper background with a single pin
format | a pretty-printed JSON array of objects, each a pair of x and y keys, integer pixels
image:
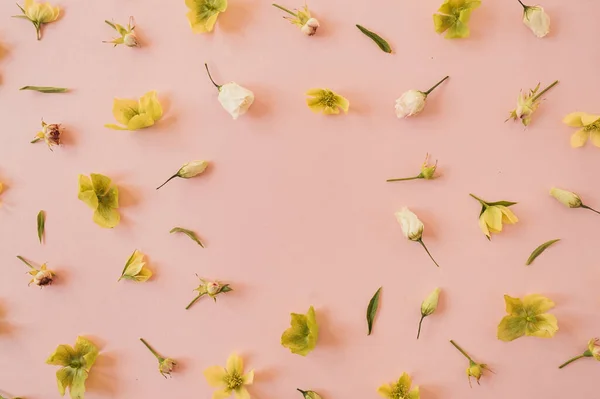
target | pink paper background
[{"x": 295, "y": 210}]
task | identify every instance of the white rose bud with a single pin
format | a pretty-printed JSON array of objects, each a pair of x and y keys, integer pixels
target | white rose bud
[
  {"x": 192, "y": 169},
  {"x": 130, "y": 40},
  {"x": 213, "y": 288},
  {"x": 536, "y": 19},
  {"x": 412, "y": 227},
  {"x": 235, "y": 99},
  {"x": 310, "y": 27},
  {"x": 567, "y": 198},
  {"x": 410, "y": 103}
]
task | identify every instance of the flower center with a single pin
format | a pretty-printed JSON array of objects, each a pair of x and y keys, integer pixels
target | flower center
[
  {"x": 398, "y": 392},
  {"x": 234, "y": 381},
  {"x": 593, "y": 126},
  {"x": 328, "y": 99},
  {"x": 76, "y": 362}
]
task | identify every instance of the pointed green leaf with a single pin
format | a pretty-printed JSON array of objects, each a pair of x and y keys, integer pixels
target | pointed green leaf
[
  {"x": 502, "y": 203},
  {"x": 188, "y": 233},
  {"x": 372, "y": 310},
  {"x": 538, "y": 251},
  {"x": 45, "y": 89},
  {"x": 41, "y": 223},
  {"x": 309, "y": 394},
  {"x": 383, "y": 45},
  {"x": 225, "y": 288}
]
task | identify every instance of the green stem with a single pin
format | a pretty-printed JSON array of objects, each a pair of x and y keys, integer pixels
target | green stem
[
  {"x": 482, "y": 202},
  {"x": 168, "y": 180},
  {"x": 35, "y": 140},
  {"x": 436, "y": 85},
  {"x": 285, "y": 9},
  {"x": 524, "y": 6},
  {"x": 24, "y": 261},
  {"x": 544, "y": 91},
  {"x": 426, "y": 250},
  {"x": 38, "y": 31},
  {"x": 405, "y": 178},
  {"x": 461, "y": 351},
  {"x": 570, "y": 361},
  {"x": 420, "y": 323},
  {"x": 159, "y": 357},
  {"x": 591, "y": 209},
  {"x": 193, "y": 301},
  {"x": 210, "y": 77}
]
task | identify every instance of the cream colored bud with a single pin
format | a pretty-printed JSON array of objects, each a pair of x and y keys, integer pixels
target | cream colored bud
[{"x": 567, "y": 198}]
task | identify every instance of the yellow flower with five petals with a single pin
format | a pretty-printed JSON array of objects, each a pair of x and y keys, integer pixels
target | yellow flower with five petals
[
  {"x": 528, "y": 317},
  {"x": 493, "y": 214},
  {"x": 136, "y": 114},
  {"x": 326, "y": 101},
  {"x": 230, "y": 379},
  {"x": 399, "y": 389},
  {"x": 203, "y": 14},
  {"x": 590, "y": 128},
  {"x": 38, "y": 14}
]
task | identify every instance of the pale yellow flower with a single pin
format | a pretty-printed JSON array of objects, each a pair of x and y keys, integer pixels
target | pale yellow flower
[
  {"x": 590, "y": 128},
  {"x": 493, "y": 214},
  {"x": 326, "y": 101},
  {"x": 38, "y": 14},
  {"x": 230, "y": 379},
  {"x": 400, "y": 389},
  {"x": 203, "y": 14}
]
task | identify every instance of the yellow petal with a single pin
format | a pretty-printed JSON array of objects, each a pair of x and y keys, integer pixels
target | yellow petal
[
  {"x": 483, "y": 226},
  {"x": 414, "y": 393},
  {"x": 385, "y": 390},
  {"x": 241, "y": 393},
  {"x": 331, "y": 111},
  {"x": 595, "y": 137},
  {"x": 493, "y": 218},
  {"x": 61, "y": 356},
  {"x": 579, "y": 138},
  {"x": 537, "y": 304},
  {"x": 574, "y": 119},
  {"x": 215, "y": 376},
  {"x": 588, "y": 119},
  {"x": 545, "y": 326},
  {"x": 343, "y": 103},
  {"x": 149, "y": 105},
  {"x": 64, "y": 379},
  {"x": 106, "y": 217},
  {"x": 235, "y": 364},
  {"x": 507, "y": 215},
  {"x": 405, "y": 381},
  {"x": 249, "y": 377},
  {"x": 89, "y": 198},
  {"x": 514, "y": 306},
  {"x": 124, "y": 110},
  {"x": 143, "y": 275},
  {"x": 222, "y": 394},
  {"x": 511, "y": 328},
  {"x": 140, "y": 122},
  {"x": 315, "y": 92}
]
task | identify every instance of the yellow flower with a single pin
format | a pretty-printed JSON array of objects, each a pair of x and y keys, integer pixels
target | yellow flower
[
  {"x": 98, "y": 193},
  {"x": 527, "y": 317},
  {"x": 136, "y": 114},
  {"x": 39, "y": 14},
  {"x": 326, "y": 101},
  {"x": 135, "y": 269},
  {"x": 400, "y": 389},
  {"x": 453, "y": 18},
  {"x": 593, "y": 350},
  {"x": 302, "y": 336},
  {"x": 230, "y": 379},
  {"x": 203, "y": 14},
  {"x": 590, "y": 125},
  {"x": 475, "y": 369},
  {"x": 493, "y": 214}
]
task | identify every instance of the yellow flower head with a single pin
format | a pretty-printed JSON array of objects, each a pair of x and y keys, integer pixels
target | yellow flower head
[
  {"x": 301, "y": 338},
  {"x": 399, "y": 389},
  {"x": 38, "y": 14},
  {"x": 203, "y": 14},
  {"x": 76, "y": 364},
  {"x": 326, "y": 101},
  {"x": 590, "y": 128},
  {"x": 453, "y": 18},
  {"x": 527, "y": 317},
  {"x": 99, "y": 194},
  {"x": 135, "y": 269},
  {"x": 136, "y": 114},
  {"x": 528, "y": 103},
  {"x": 493, "y": 214},
  {"x": 230, "y": 379}
]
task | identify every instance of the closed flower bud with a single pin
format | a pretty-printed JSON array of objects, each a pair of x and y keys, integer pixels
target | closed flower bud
[
  {"x": 567, "y": 198},
  {"x": 192, "y": 169},
  {"x": 235, "y": 99},
  {"x": 310, "y": 27},
  {"x": 410, "y": 103},
  {"x": 594, "y": 348},
  {"x": 166, "y": 366},
  {"x": 412, "y": 227},
  {"x": 475, "y": 371},
  {"x": 430, "y": 303},
  {"x": 213, "y": 288},
  {"x": 130, "y": 40},
  {"x": 536, "y": 19},
  {"x": 43, "y": 278}
]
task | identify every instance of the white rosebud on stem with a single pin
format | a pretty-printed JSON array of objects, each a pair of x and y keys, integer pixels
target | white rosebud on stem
[
  {"x": 536, "y": 19},
  {"x": 235, "y": 99},
  {"x": 212, "y": 288},
  {"x": 413, "y": 101},
  {"x": 188, "y": 171},
  {"x": 412, "y": 228},
  {"x": 310, "y": 27},
  {"x": 569, "y": 199},
  {"x": 130, "y": 40}
]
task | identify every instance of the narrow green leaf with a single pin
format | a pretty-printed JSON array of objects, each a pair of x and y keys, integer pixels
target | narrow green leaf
[
  {"x": 372, "y": 310},
  {"x": 376, "y": 38},
  {"x": 41, "y": 224},
  {"x": 45, "y": 89},
  {"x": 538, "y": 251},
  {"x": 225, "y": 288},
  {"x": 309, "y": 394},
  {"x": 502, "y": 203},
  {"x": 188, "y": 233}
]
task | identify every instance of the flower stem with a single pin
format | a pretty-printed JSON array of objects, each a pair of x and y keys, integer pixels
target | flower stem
[
  {"x": 298, "y": 389},
  {"x": 24, "y": 261},
  {"x": 159, "y": 357},
  {"x": 570, "y": 361},
  {"x": 461, "y": 351},
  {"x": 38, "y": 31},
  {"x": 405, "y": 178},
  {"x": 426, "y": 250},
  {"x": 524, "y": 6},
  {"x": 436, "y": 85},
  {"x": 420, "y": 322},
  {"x": 482, "y": 202},
  {"x": 168, "y": 180},
  {"x": 193, "y": 301},
  {"x": 285, "y": 9},
  {"x": 35, "y": 140},
  {"x": 544, "y": 91},
  {"x": 210, "y": 77},
  {"x": 591, "y": 209}
]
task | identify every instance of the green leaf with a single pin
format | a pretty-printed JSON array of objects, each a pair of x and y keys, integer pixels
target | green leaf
[
  {"x": 309, "y": 394},
  {"x": 225, "y": 288},
  {"x": 372, "y": 310},
  {"x": 41, "y": 223},
  {"x": 188, "y": 233},
  {"x": 538, "y": 251},
  {"x": 45, "y": 89},
  {"x": 301, "y": 337},
  {"x": 502, "y": 203},
  {"x": 383, "y": 45}
]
